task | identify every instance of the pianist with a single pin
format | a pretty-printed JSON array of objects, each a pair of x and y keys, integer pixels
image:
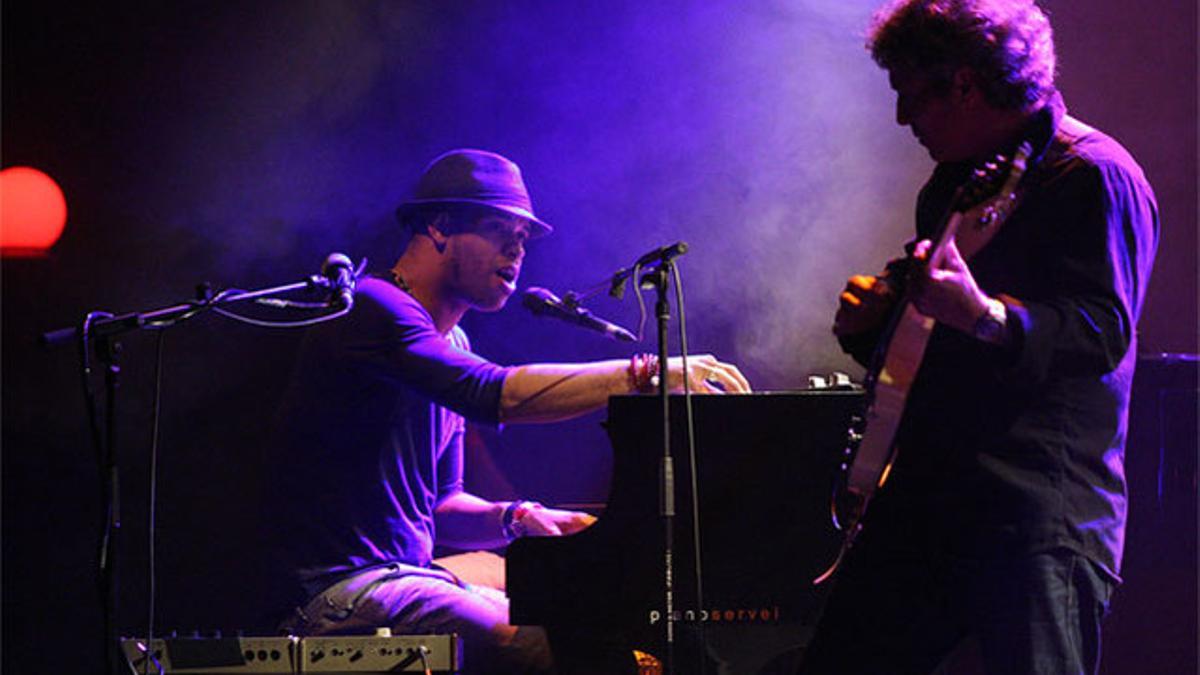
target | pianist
[{"x": 369, "y": 447}]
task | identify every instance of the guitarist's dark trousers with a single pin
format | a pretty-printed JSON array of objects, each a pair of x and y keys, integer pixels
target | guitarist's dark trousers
[{"x": 897, "y": 611}]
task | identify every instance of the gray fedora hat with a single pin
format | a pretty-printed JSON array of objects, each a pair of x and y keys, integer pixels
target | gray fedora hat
[{"x": 477, "y": 177}]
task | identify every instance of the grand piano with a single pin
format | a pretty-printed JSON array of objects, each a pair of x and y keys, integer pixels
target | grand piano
[{"x": 766, "y": 464}]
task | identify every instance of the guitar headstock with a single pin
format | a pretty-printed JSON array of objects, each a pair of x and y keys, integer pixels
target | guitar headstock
[
  {"x": 995, "y": 179},
  {"x": 983, "y": 203}
]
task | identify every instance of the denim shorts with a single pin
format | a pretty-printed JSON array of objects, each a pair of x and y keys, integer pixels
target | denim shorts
[{"x": 414, "y": 600}]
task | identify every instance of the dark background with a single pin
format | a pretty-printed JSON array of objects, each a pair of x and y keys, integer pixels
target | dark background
[{"x": 239, "y": 143}]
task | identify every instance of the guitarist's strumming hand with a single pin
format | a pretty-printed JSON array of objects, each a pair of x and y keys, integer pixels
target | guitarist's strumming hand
[
  {"x": 864, "y": 304},
  {"x": 947, "y": 292}
]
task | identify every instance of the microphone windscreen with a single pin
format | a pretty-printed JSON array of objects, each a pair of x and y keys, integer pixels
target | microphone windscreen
[
  {"x": 538, "y": 299},
  {"x": 336, "y": 261}
]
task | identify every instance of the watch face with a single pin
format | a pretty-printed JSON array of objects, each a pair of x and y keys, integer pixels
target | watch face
[
  {"x": 987, "y": 328},
  {"x": 990, "y": 327}
]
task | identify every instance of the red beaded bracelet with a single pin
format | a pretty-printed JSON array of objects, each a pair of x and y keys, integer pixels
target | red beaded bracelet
[{"x": 643, "y": 369}]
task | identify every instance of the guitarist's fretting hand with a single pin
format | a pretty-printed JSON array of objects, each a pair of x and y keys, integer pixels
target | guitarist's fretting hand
[{"x": 947, "y": 292}]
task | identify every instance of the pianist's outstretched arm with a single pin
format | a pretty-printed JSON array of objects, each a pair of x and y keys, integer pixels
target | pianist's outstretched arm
[{"x": 548, "y": 392}]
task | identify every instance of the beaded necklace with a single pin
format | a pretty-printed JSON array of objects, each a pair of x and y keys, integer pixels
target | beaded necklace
[{"x": 401, "y": 282}]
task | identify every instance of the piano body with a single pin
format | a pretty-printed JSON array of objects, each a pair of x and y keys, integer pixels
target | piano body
[{"x": 766, "y": 466}]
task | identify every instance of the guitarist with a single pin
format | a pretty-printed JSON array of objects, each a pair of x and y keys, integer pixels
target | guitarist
[{"x": 1003, "y": 516}]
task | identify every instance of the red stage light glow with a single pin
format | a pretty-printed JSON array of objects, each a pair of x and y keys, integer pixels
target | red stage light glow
[{"x": 33, "y": 211}]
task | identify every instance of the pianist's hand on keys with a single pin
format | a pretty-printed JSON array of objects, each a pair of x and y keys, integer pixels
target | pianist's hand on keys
[{"x": 707, "y": 375}]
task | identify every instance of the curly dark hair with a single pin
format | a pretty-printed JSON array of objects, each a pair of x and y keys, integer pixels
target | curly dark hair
[{"x": 1008, "y": 43}]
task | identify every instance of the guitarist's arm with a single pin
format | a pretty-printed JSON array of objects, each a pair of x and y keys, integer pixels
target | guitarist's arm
[
  {"x": 1097, "y": 260},
  {"x": 1102, "y": 248}
]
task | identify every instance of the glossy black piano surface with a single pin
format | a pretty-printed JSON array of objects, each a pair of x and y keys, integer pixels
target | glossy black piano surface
[{"x": 767, "y": 463}]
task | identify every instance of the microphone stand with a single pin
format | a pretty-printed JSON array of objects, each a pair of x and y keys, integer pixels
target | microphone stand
[
  {"x": 110, "y": 326},
  {"x": 103, "y": 332},
  {"x": 656, "y": 269},
  {"x": 659, "y": 277},
  {"x": 616, "y": 283}
]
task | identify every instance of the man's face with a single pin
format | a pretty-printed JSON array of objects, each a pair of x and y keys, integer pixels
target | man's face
[
  {"x": 938, "y": 116},
  {"x": 485, "y": 260}
]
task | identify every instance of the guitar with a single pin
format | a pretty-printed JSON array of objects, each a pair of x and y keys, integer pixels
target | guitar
[{"x": 976, "y": 212}]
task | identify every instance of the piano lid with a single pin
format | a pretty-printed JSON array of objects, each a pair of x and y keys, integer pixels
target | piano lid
[{"x": 766, "y": 466}]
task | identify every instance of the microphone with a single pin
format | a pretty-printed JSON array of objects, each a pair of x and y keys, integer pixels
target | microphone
[
  {"x": 544, "y": 303},
  {"x": 338, "y": 269},
  {"x": 663, "y": 254}
]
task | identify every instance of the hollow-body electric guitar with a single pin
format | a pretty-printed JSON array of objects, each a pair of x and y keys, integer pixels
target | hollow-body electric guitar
[{"x": 975, "y": 214}]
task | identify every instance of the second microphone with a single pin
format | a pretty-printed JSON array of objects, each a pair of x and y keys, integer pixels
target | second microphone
[{"x": 542, "y": 302}]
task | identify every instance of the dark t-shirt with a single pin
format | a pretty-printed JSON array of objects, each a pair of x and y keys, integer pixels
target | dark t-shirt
[
  {"x": 369, "y": 437},
  {"x": 1007, "y": 452}
]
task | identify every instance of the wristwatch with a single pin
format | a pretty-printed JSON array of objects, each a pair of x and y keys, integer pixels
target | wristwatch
[
  {"x": 510, "y": 520},
  {"x": 992, "y": 325}
]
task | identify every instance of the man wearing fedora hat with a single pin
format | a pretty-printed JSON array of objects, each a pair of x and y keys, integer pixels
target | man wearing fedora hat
[{"x": 370, "y": 441}]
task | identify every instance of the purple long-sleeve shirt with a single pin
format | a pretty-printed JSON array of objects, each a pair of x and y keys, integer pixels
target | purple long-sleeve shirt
[{"x": 369, "y": 437}]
